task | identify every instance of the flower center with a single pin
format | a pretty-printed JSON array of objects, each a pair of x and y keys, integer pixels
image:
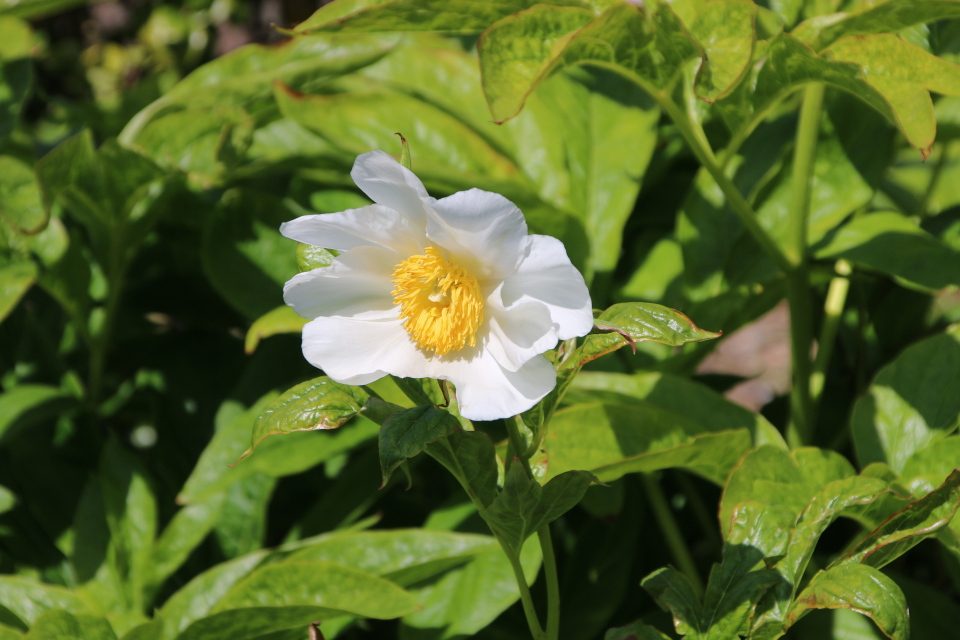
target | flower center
[{"x": 440, "y": 301}]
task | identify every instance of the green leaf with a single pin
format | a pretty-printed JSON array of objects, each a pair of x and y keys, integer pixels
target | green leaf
[
  {"x": 894, "y": 245},
  {"x": 777, "y": 478},
  {"x": 28, "y": 9},
  {"x": 27, "y": 404},
  {"x": 403, "y": 556},
  {"x": 243, "y": 254},
  {"x": 317, "y": 404},
  {"x": 203, "y": 142},
  {"x": 20, "y": 204},
  {"x": 611, "y": 440},
  {"x": 184, "y": 533},
  {"x": 281, "y": 320},
  {"x": 61, "y": 625},
  {"x": 649, "y": 48},
  {"x": 310, "y": 257},
  {"x": 634, "y": 631},
  {"x": 7, "y": 500},
  {"x": 15, "y": 280},
  {"x": 689, "y": 399},
  {"x": 466, "y": 599},
  {"x": 725, "y": 31},
  {"x": 453, "y": 16},
  {"x": 907, "y": 528},
  {"x": 860, "y": 588},
  {"x": 524, "y": 507},
  {"x": 16, "y": 68},
  {"x": 674, "y": 593},
  {"x": 406, "y": 433},
  {"x": 913, "y": 402},
  {"x": 276, "y": 457},
  {"x": 28, "y": 600},
  {"x": 195, "y": 600},
  {"x": 335, "y": 589},
  {"x": 471, "y": 458},
  {"x": 881, "y": 17}
]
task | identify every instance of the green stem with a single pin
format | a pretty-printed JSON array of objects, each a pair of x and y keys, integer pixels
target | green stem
[
  {"x": 671, "y": 532},
  {"x": 800, "y": 430},
  {"x": 100, "y": 343},
  {"x": 832, "y": 314},
  {"x": 736, "y": 201},
  {"x": 526, "y": 599},
  {"x": 546, "y": 543}
]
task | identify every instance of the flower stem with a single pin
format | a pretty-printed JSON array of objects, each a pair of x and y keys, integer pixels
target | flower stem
[
  {"x": 736, "y": 201},
  {"x": 832, "y": 313},
  {"x": 671, "y": 532},
  {"x": 800, "y": 429},
  {"x": 546, "y": 545},
  {"x": 526, "y": 599}
]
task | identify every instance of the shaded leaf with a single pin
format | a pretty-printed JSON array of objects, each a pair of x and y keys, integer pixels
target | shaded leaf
[
  {"x": 61, "y": 625},
  {"x": 28, "y": 599},
  {"x": 406, "y": 433},
  {"x": 471, "y": 458},
  {"x": 674, "y": 593},
  {"x": 913, "y": 401},
  {"x": 523, "y": 507},
  {"x": 281, "y": 320},
  {"x": 16, "y": 67},
  {"x": 27, "y": 404},
  {"x": 15, "y": 280}
]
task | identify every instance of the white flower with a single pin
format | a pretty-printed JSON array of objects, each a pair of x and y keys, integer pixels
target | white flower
[{"x": 452, "y": 289}]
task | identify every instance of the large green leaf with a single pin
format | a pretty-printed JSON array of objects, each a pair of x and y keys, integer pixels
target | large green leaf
[
  {"x": 276, "y": 457},
  {"x": 650, "y": 48},
  {"x": 682, "y": 396},
  {"x": 28, "y": 600},
  {"x": 466, "y": 599},
  {"x": 15, "y": 280},
  {"x": 471, "y": 458},
  {"x": 20, "y": 204},
  {"x": 913, "y": 402},
  {"x": 406, "y": 433},
  {"x": 318, "y": 404},
  {"x": 16, "y": 69},
  {"x": 860, "y": 588},
  {"x": 894, "y": 245},
  {"x": 27, "y": 404},
  {"x": 880, "y": 17},
  {"x": 524, "y": 507},
  {"x": 724, "y": 29},
  {"x": 281, "y": 320},
  {"x": 61, "y": 625},
  {"x": 456, "y": 16},
  {"x": 184, "y": 533},
  {"x": 613, "y": 439}
]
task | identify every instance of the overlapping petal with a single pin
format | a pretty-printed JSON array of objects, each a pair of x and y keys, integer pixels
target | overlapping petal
[{"x": 532, "y": 294}]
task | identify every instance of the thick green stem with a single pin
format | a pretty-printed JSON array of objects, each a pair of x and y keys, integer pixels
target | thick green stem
[
  {"x": 832, "y": 314},
  {"x": 800, "y": 430},
  {"x": 671, "y": 532},
  {"x": 736, "y": 201}
]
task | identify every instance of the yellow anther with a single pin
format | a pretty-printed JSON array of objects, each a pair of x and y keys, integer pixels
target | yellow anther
[{"x": 439, "y": 300}]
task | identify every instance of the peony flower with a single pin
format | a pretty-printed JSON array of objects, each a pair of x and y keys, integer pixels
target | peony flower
[{"x": 452, "y": 289}]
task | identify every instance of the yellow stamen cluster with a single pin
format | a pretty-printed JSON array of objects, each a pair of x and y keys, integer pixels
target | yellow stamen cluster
[{"x": 440, "y": 301}]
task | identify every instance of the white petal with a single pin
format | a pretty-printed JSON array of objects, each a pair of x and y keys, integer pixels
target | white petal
[
  {"x": 387, "y": 182},
  {"x": 484, "y": 231},
  {"x": 487, "y": 391},
  {"x": 353, "y": 351},
  {"x": 374, "y": 225},
  {"x": 546, "y": 274},
  {"x": 357, "y": 284},
  {"x": 515, "y": 335}
]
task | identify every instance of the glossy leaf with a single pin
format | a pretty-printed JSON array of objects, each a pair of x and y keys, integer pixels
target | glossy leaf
[
  {"x": 524, "y": 507},
  {"x": 281, "y": 320},
  {"x": 860, "y": 588},
  {"x": 406, "y": 433},
  {"x": 276, "y": 457},
  {"x": 610, "y": 440},
  {"x": 455, "y": 16},
  {"x": 651, "y": 49},
  {"x": 403, "y": 556},
  {"x": 28, "y": 600},
  {"x": 674, "y": 593},
  {"x": 316, "y": 404},
  {"x": 471, "y": 458},
  {"x": 894, "y": 245},
  {"x": 913, "y": 401},
  {"x": 724, "y": 29},
  {"x": 466, "y": 599},
  {"x": 909, "y": 527}
]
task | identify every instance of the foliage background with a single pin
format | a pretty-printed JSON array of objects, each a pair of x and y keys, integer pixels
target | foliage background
[{"x": 139, "y": 281}]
